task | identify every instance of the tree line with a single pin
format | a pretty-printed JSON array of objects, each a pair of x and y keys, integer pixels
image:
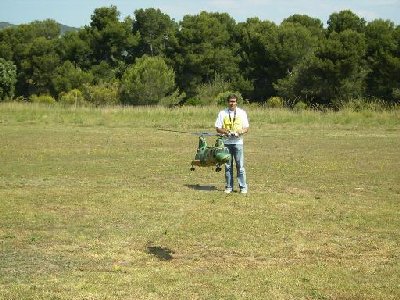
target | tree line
[{"x": 149, "y": 58}]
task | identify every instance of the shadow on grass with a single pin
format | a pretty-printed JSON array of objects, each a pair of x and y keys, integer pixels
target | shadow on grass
[
  {"x": 162, "y": 253},
  {"x": 199, "y": 187}
]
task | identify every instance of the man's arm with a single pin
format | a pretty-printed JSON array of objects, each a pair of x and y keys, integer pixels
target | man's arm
[
  {"x": 244, "y": 130},
  {"x": 226, "y": 132},
  {"x": 221, "y": 130}
]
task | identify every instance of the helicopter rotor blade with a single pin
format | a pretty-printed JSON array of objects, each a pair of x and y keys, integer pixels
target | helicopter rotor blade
[
  {"x": 205, "y": 134},
  {"x": 177, "y": 131},
  {"x": 188, "y": 132}
]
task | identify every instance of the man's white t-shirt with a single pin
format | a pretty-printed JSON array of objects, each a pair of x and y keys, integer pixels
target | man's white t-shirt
[{"x": 232, "y": 121}]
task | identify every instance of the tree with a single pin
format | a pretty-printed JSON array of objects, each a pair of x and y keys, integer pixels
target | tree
[
  {"x": 157, "y": 32},
  {"x": 68, "y": 77},
  {"x": 103, "y": 72},
  {"x": 39, "y": 66},
  {"x": 294, "y": 42},
  {"x": 271, "y": 52},
  {"x": 383, "y": 45},
  {"x": 147, "y": 82},
  {"x": 256, "y": 40},
  {"x": 74, "y": 46},
  {"x": 6, "y": 46},
  {"x": 345, "y": 20},
  {"x": 335, "y": 72},
  {"x": 206, "y": 48},
  {"x": 111, "y": 41},
  {"x": 48, "y": 29},
  {"x": 314, "y": 25},
  {"x": 33, "y": 53},
  {"x": 8, "y": 78}
]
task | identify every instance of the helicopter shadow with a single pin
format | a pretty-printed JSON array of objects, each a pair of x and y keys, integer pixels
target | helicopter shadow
[
  {"x": 162, "y": 253},
  {"x": 199, "y": 187}
]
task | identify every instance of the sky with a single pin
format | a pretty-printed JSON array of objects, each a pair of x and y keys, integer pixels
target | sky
[{"x": 77, "y": 13}]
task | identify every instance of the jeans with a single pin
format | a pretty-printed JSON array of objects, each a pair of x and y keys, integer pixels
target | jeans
[{"x": 237, "y": 155}]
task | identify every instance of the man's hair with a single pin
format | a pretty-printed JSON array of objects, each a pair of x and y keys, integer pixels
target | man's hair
[{"x": 231, "y": 96}]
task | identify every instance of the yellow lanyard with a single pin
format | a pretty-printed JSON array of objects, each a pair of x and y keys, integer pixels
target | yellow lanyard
[{"x": 234, "y": 117}]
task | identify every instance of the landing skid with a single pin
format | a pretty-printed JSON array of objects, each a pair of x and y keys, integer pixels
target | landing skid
[
  {"x": 195, "y": 162},
  {"x": 198, "y": 163}
]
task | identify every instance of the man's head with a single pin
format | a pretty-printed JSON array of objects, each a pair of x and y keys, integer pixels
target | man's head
[{"x": 232, "y": 101}]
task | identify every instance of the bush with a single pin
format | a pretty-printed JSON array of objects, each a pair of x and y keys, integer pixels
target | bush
[
  {"x": 360, "y": 104},
  {"x": 21, "y": 99},
  {"x": 73, "y": 97},
  {"x": 147, "y": 81},
  {"x": 396, "y": 94},
  {"x": 101, "y": 94},
  {"x": 8, "y": 79},
  {"x": 274, "y": 102},
  {"x": 44, "y": 99},
  {"x": 174, "y": 99},
  {"x": 207, "y": 93},
  {"x": 222, "y": 97},
  {"x": 68, "y": 77},
  {"x": 300, "y": 105},
  {"x": 193, "y": 101}
]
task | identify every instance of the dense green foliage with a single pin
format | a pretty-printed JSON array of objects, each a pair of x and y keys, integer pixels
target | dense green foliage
[
  {"x": 8, "y": 78},
  {"x": 147, "y": 82},
  {"x": 298, "y": 60}
]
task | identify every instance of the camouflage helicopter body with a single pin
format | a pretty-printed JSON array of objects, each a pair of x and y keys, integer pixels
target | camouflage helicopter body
[{"x": 207, "y": 156}]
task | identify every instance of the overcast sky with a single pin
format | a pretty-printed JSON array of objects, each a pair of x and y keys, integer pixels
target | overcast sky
[{"x": 77, "y": 13}]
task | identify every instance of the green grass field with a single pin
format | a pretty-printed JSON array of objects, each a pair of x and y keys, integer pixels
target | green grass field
[{"x": 101, "y": 204}]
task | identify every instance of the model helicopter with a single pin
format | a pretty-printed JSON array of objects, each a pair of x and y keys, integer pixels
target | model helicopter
[{"x": 207, "y": 156}]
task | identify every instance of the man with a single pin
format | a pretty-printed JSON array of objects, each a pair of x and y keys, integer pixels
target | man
[{"x": 233, "y": 123}]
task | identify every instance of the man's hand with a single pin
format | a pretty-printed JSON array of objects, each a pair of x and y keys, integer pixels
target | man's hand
[
  {"x": 233, "y": 134},
  {"x": 243, "y": 131}
]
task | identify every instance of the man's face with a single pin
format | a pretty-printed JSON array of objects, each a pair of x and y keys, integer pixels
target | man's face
[{"x": 232, "y": 103}]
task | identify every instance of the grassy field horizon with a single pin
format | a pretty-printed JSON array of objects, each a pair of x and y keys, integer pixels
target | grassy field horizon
[{"x": 101, "y": 204}]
